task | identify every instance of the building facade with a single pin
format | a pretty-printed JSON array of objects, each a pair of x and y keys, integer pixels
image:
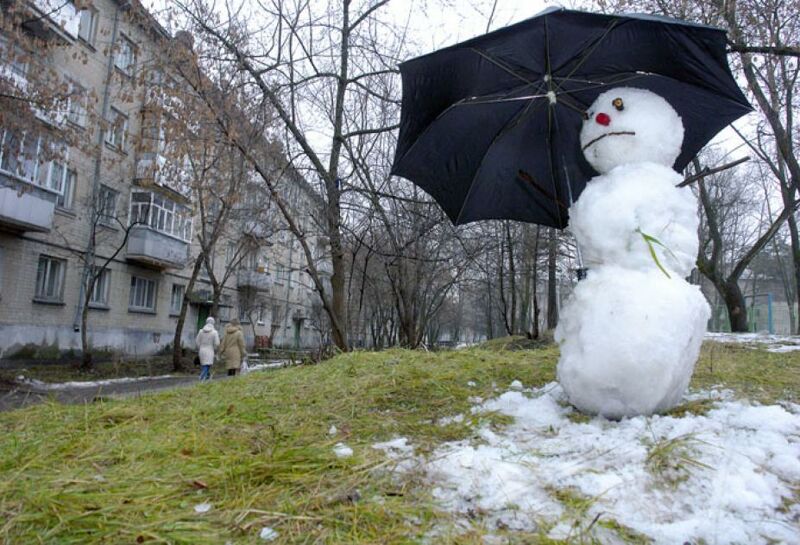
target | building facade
[{"x": 100, "y": 196}]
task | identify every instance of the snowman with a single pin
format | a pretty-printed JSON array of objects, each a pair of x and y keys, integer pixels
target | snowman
[{"x": 630, "y": 333}]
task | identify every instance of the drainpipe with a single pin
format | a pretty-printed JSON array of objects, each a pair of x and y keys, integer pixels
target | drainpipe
[{"x": 90, "y": 247}]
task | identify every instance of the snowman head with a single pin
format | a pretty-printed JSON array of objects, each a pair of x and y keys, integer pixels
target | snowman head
[{"x": 627, "y": 125}]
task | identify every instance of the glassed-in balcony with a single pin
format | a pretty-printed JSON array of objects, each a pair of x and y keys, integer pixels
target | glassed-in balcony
[
  {"x": 150, "y": 247},
  {"x": 253, "y": 279},
  {"x": 54, "y": 20}
]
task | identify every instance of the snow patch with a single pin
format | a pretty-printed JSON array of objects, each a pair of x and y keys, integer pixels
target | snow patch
[
  {"x": 202, "y": 508},
  {"x": 735, "y": 471},
  {"x": 342, "y": 451},
  {"x": 40, "y": 385},
  {"x": 268, "y": 534}
]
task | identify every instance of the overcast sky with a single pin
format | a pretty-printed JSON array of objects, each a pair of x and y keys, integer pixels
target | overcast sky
[{"x": 434, "y": 24}]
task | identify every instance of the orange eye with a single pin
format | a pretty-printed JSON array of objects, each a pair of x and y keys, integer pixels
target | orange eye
[{"x": 617, "y": 103}]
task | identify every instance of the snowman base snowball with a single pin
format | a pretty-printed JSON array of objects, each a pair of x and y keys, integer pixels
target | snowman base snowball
[{"x": 629, "y": 342}]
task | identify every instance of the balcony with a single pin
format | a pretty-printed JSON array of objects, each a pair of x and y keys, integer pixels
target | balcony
[
  {"x": 150, "y": 247},
  {"x": 256, "y": 280},
  {"x": 324, "y": 266},
  {"x": 26, "y": 207},
  {"x": 56, "y": 20},
  {"x": 148, "y": 166}
]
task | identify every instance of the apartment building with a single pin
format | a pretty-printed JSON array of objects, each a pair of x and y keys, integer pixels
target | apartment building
[{"x": 101, "y": 196}]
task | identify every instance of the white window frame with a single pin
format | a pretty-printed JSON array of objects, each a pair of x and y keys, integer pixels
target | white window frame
[
  {"x": 107, "y": 213},
  {"x": 84, "y": 34},
  {"x": 77, "y": 105},
  {"x": 143, "y": 291},
  {"x": 125, "y": 55},
  {"x": 16, "y": 69},
  {"x": 175, "y": 305},
  {"x": 101, "y": 289},
  {"x": 161, "y": 214},
  {"x": 50, "y": 274},
  {"x": 31, "y": 168},
  {"x": 66, "y": 198},
  {"x": 117, "y": 132}
]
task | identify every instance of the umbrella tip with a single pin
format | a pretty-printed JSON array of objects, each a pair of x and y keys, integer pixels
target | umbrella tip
[{"x": 551, "y": 96}]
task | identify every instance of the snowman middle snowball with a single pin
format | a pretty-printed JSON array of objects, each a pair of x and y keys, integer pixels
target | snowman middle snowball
[{"x": 631, "y": 332}]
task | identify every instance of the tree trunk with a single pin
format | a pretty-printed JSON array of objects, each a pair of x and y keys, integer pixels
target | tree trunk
[
  {"x": 795, "y": 241},
  {"x": 535, "y": 281},
  {"x": 552, "y": 293},
  {"x": 512, "y": 282},
  {"x": 86, "y": 351},
  {"x": 735, "y": 303},
  {"x": 176, "y": 340}
]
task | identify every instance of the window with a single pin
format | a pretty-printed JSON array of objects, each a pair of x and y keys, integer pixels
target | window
[
  {"x": 161, "y": 214},
  {"x": 100, "y": 290},
  {"x": 14, "y": 65},
  {"x": 19, "y": 155},
  {"x": 143, "y": 294},
  {"x": 88, "y": 25},
  {"x": 65, "y": 198},
  {"x": 107, "y": 204},
  {"x": 77, "y": 105},
  {"x": 176, "y": 299},
  {"x": 50, "y": 279},
  {"x": 117, "y": 132},
  {"x": 230, "y": 254},
  {"x": 34, "y": 159},
  {"x": 125, "y": 59}
]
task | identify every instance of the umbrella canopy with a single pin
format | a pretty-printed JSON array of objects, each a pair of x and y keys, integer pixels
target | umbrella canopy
[{"x": 489, "y": 127}]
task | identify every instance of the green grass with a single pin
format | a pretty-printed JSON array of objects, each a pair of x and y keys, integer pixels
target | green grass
[
  {"x": 257, "y": 448},
  {"x": 751, "y": 372}
]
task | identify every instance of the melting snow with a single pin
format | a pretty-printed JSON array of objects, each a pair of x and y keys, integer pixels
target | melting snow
[
  {"x": 730, "y": 477},
  {"x": 268, "y": 534},
  {"x": 342, "y": 451},
  {"x": 32, "y": 382},
  {"x": 776, "y": 343}
]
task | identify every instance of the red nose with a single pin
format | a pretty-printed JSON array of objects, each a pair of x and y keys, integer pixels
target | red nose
[{"x": 603, "y": 119}]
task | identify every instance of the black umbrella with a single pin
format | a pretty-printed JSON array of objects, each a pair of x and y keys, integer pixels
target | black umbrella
[{"x": 489, "y": 127}]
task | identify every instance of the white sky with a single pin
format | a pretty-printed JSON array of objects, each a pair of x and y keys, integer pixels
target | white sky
[{"x": 433, "y": 24}]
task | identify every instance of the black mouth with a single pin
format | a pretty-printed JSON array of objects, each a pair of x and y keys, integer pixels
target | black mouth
[{"x": 615, "y": 133}]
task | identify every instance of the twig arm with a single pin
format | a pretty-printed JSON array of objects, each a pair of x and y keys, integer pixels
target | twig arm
[{"x": 708, "y": 171}]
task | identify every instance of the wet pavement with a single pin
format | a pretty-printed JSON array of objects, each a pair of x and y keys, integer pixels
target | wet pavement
[{"x": 16, "y": 395}]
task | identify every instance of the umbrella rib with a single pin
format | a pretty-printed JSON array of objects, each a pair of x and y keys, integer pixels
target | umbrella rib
[
  {"x": 502, "y": 65},
  {"x": 553, "y": 89},
  {"x": 587, "y": 53},
  {"x": 518, "y": 118},
  {"x": 612, "y": 82}
]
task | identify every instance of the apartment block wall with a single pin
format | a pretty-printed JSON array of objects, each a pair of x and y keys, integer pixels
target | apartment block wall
[{"x": 26, "y": 321}]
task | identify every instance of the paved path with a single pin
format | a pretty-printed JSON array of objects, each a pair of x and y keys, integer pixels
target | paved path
[{"x": 18, "y": 395}]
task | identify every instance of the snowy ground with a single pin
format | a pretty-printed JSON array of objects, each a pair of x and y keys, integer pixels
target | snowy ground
[
  {"x": 729, "y": 475},
  {"x": 258, "y": 365},
  {"x": 775, "y": 343},
  {"x": 41, "y": 385}
]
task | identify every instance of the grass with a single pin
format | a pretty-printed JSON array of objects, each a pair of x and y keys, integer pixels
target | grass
[
  {"x": 257, "y": 449},
  {"x": 749, "y": 371}
]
